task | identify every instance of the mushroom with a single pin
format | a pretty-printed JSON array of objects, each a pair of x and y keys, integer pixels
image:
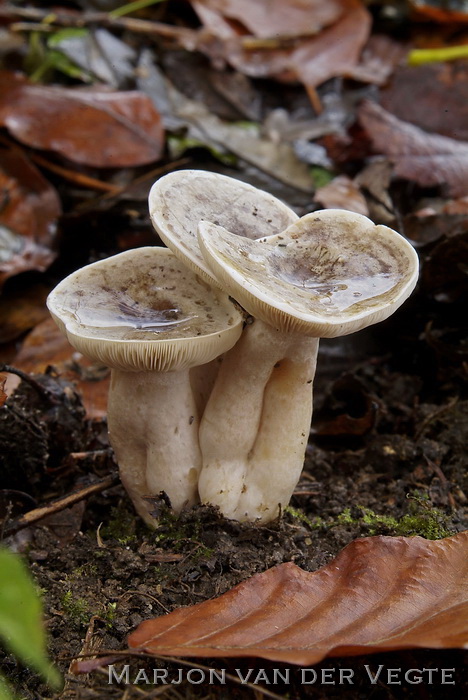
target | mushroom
[
  {"x": 150, "y": 319},
  {"x": 180, "y": 200},
  {"x": 249, "y": 385},
  {"x": 329, "y": 274}
]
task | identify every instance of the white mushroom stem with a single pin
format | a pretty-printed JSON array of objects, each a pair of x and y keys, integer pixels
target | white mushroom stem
[
  {"x": 153, "y": 429},
  {"x": 255, "y": 426}
]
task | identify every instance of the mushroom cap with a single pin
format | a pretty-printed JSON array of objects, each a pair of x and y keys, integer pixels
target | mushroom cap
[
  {"x": 144, "y": 310},
  {"x": 331, "y": 273},
  {"x": 180, "y": 200}
]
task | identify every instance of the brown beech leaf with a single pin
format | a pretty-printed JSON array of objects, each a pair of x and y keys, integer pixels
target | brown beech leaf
[
  {"x": 379, "y": 58},
  {"x": 3, "y": 394},
  {"x": 428, "y": 159},
  {"x": 22, "y": 309},
  {"x": 342, "y": 193},
  {"x": 95, "y": 127},
  {"x": 29, "y": 208},
  {"x": 270, "y": 18},
  {"x": 444, "y": 12},
  {"x": 379, "y": 594},
  {"x": 45, "y": 346},
  {"x": 432, "y": 96},
  {"x": 334, "y": 51}
]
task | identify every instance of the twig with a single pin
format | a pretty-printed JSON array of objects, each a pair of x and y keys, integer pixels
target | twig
[
  {"x": 77, "y": 178},
  {"x": 121, "y": 189},
  {"x": 62, "y": 18},
  {"x": 144, "y": 595},
  {"x": 37, "y": 514},
  {"x": 175, "y": 660}
]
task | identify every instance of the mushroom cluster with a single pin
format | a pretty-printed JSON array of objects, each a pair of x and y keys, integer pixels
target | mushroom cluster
[{"x": 206, "y": 403}]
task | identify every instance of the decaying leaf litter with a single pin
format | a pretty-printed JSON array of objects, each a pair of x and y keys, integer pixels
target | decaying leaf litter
[{"x": 295, "y": 114}]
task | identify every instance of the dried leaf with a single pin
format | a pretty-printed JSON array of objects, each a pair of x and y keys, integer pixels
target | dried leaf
[
  {"x": 98, "y": 52},
  {"x": 439, "y": 11},
  {"x": 445, "y": 271},
  {"x": 349, "y": 409},
  {"x": 45, "y": 346},
  {"x": 99, "y": 128},
  {"x": 21, "y": 310},
  {"x": 334, "y": 51},
  {"x": 3, "y": 395},
  {"x": 29, "y": 209},
  {"x": 380, "y": 593},
  {"x": 270, "y": 18},
  {"x": 277, "y": 159},
  {"x": 433, "y": 97},
  {"x": 428, "y": 159},
  {"x": 379, "y": 59},
  {"x": 342, "y": 193}
]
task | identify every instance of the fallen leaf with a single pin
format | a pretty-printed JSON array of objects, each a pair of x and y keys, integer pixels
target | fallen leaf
[
  {"x": 428, "y": 159},
  {"x": 379, "y": 58},
  {"x": 426, "y": 227},
  {"x": 97, "y": 52},
  {"x": 374, "y": 181},
  {"x": 270, "y": 18},
  {"x": 379, "y": 594},
  {"x": 21, "y": 310},
  {"x": 29, "y": 208},
  {"x": 348, "y": 409},
  {"x": 445, "y": 271},
  {"x": 334, "y": 51},
  {"x": 95, "y": 127},
  {"x": 45, "y": 346},
  {"x": 439, "y": 11},
  {"x": 433, "y": 97},
  {"x": 456, "y": 206},
  {"x": 3, "y": 395},
  {"x": 342, "y": 193},
  {"x": 247, "y": 142}
]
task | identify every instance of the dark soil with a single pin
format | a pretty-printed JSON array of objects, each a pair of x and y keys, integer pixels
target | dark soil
[{"x": 386, "y": 456}]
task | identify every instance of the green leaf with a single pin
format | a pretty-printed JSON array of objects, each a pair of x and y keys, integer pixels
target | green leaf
[
  {"x": 21, "y": 629},
  {"x": 55, "y": 39},
  {"x": 130, "y": 7},
  {"x": 419, "y": 57},
  {"x": 320, "y": 176},
  {"x": 178, "y": 145},
  {"x": 5, "y": 693}
]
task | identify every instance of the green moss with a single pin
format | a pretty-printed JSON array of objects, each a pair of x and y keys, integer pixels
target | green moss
[
  {"x": 109, "y": 614},
  {"x": 202, "y": 552},
  {"x": 121, "y": 527},
  {"x": 174, "y": 532},
  {"x": 75, "y": 609},
  {"x": 314, "y": 524},
  {"x": 423, "y": 519},
  {"x": 345, "y": 518},
  {"x": 320, "y": 176},
  {"x": 87, "y": 569}
]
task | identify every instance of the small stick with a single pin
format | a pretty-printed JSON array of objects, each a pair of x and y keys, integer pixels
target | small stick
[
  {"x": 77, "y": 178},
  {"x": 33, "y": 516},
  {"x": 66, "y": 18}
]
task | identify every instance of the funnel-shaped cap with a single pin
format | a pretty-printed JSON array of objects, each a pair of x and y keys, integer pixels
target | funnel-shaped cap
[
  {"x": 180, "y": 200},
  {"x": 144, "y": 310},
  {"x": 331, "y": 273}
]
